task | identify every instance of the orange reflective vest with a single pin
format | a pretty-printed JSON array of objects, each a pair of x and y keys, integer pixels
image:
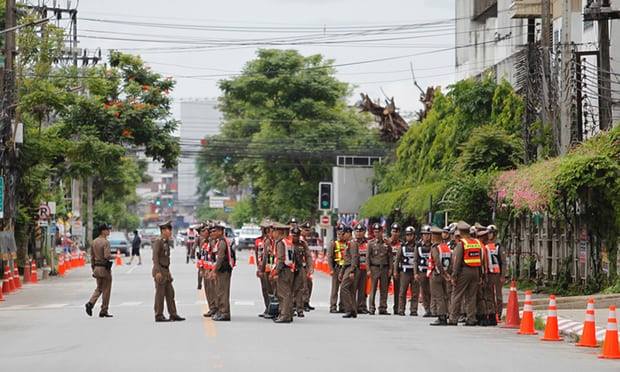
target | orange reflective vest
[
  {"x": 363, "y": 248},
  {"x": 493, "y": 258},
  {"x": 289, "y": 253},
  {"x": 472, "y": 252},
  {"x": 445, "y": 257}
]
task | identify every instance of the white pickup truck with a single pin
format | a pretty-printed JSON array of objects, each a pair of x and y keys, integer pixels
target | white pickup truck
[{"x": 247, "y": 236}]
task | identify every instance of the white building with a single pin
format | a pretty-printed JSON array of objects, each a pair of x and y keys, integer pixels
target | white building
[{"x": 199, "y": 118}]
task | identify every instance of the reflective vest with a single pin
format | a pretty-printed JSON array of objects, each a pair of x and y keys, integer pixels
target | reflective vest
[
  {"x": 493, "y": 258},
  {"x": 339, "y": 248},
  {"x": 208, "y": 256},
  {"x": 363, "y": 248},
  {"x": 472, "y": 252},
  {"x": 423, "y": 258},
  {"x": 271, "y": 256},
  {"x": 408, "y": 259},
  {"x": 289, "y": 253},
  {"x": 260, "y": 248},
  {"x": 445, "y": 257}
]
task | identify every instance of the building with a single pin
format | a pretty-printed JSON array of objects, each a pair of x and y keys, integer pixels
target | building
[{"x": 199, "y": 118}]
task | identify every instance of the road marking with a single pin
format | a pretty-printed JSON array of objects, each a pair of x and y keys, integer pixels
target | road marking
[
  {"x": 15, "y": 307},
  {"x": 132, "y": 269},
  {"x": 53, "y": 306},
  {"x": 244, "y": 303},
  {"x": 321, "y": 304},
  {"x": 131, "y": 303},
  {"x": 207, "y": 323}
]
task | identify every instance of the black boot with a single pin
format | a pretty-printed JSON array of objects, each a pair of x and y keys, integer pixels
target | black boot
[
  {"x": 89, "y": 308},
  {"x": 441, "y": 321},
  {"x": 492, "y": 320}
]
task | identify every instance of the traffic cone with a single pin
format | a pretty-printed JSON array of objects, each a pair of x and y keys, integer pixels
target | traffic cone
[
  {"x": 1, "y": 295},
  {"x": 26, "y": 273},
  {"x": 6, "y": 281},
  {"x": 552, "y": 332},
  {"x": 251, "y": 260},
  {"x": 119, "y": 260},
  {"x": 67, "y": 262},
  {"x": 18, "y": 284},
  {"x": 61, "y": 265},
  {"x": 12, "y": 280},
  {"x": 588, "y": 335},
  {"x": 527, "y": 322},
  {"x": 368, "y": 285},
  {"x": 610, "y": 344},
  {"x": 512, "y": 310},
  {"x": 33, "y": 272}
]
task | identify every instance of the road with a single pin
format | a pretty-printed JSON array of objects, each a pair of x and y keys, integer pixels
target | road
[{"x": 45, "y": 327}]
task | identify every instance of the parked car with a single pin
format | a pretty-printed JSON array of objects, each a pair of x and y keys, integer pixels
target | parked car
[
  {"x": 148, "y": 235},
  {"x": 180, "y": 238},
  {"x": 248, "y": 236},
  {"x": 119, "y": 242}
]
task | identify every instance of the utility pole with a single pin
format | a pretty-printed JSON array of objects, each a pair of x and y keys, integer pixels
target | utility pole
[
  {"x": 566, "y": 99},
  {"x": 600, "y": 11},
  {"x": 545, "y": 44}
]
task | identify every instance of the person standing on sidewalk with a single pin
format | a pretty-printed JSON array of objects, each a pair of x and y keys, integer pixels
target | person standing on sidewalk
[
  {"x": 162, "y": 276},
  {"x": 101, "y": 261},
  {"x": 135, "y": 248}
]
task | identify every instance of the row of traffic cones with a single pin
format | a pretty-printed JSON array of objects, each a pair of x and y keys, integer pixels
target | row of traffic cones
[
  {"x": 68, "y": 261},
  {"x": 610, "y": 348},
  {"x": 11, "y": 282}
]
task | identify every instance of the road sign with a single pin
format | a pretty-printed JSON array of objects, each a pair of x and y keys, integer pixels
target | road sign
[
  {"x": 43, "y": 223},
  {"x": 44, "y": 212},
  {"x": 52, "y": 207},
  {"x": 1, "y": 197},
  {"x": 326, "y": 221}
]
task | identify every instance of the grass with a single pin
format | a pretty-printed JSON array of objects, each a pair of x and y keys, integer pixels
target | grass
[{"x": 539, "y": 323}]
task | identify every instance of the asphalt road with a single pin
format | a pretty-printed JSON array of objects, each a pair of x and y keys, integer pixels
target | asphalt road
[{"x": 44, "y": 328}]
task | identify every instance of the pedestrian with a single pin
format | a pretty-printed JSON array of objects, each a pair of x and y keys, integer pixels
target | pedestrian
[
  {"x": 439, "y": 268},
  {"x": 395, "y": 244},
  {"x": 283, "y": 273},
  {"x": 404, "y": 265},
  {"x": 222, "y": 272},
  {"x": 335, "y": 262},
  {"x": 348, "y": 274},
  {"x": 259, "y": 252},
  {"x": 379, "y": 259},
  {"x": 360, "y": 282},
  {"x": 496, "y": 276},
  {"x": 162, "y": 276},
  {"x": 101, "y": 263},
  {"x": 422, "y": 255},
  {"x": 466, "y": 271},
  {"x": 303, "y": 269},
  {"x": 136, "y": 243},
  {"x": 306, "y": 235}
]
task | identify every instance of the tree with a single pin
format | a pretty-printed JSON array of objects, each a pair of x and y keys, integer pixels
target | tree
[
  {"x": 490, "y": 147},
  {"x": 285, "y": 120}
]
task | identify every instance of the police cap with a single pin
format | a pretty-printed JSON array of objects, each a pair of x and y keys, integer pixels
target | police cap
[
  {"x": 376, "y": 226},
  {"x": 306, "y": 225},
  {"x": 360, "y": 227},
  {"x": 395, "y": 226},
  {"x": 347, "y": 229},
  {"x": 166, "y": 225},
  {"x": 295, "y": 231}
]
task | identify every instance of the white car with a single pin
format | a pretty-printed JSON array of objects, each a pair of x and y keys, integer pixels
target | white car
[{"x": 248, "y": 236}]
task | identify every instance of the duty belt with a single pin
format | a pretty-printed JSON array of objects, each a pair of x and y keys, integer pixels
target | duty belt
[
  {"x": 165, "y": 267},
  {"x": 101, "y": 264},
  {"x": 381, "y": 265}
]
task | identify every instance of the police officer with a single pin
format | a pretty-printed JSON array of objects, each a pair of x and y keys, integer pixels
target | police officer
[
  {"x": 404, "y": 266},
  {"x": 101, "y": 262},
  {"x": 161, "y": 274},
  {"x": 348, "y": 274},
  {"x": 395, "y": 244},
  {"x": 439, "y": 269},
  {"x": 222, "y": 271},
  {"x": 422, "y": 254},
  {"x": 335, "y": 262},
  {"x": 203, "y": 236},
  {"x": 379, "y": 259},
  {"x": 496, "y": 276},
  {"x": 208, "y": 264},
  {"x": 283, "y": 273},
  {"x": 306, "y": 235},
  {"x": 259, "y": 252},
  {"x": 360, "y": 282},
  {"x": 466, "y": 272},
  {"x": 269, "y": 262},
  {"x": 303, "y": 269}
]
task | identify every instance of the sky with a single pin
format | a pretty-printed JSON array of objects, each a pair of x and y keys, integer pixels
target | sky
[{"x": 176, "y": 38}]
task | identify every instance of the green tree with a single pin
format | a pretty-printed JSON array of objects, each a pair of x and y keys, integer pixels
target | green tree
[{"x": 490, "y": 147}]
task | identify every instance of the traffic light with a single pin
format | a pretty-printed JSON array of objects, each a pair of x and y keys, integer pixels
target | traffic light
[
  {"x": 158, "y": 202},
  {"x": 325, "y": 195},
  {"x": 170, "y": 203}
]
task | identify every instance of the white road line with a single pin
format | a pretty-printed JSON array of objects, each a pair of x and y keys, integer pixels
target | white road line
[
  {"x": 244, "y": 303},
  {"x": 321, "y": 304},
  {"x": 131, "y": 303},
  {"x": 15, "y": 307},
  {"x": 53, "y": 306},
  {"x": 132, "y": 269}
]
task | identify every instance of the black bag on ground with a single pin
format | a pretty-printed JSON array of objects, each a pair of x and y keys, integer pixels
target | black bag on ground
[{"x": 274, "y": 306}]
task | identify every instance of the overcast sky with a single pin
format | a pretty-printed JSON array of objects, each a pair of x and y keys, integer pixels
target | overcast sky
[{"x": 312, "y": 17}]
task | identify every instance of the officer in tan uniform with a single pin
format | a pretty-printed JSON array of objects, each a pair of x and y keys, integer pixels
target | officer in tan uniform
[
  {"x": 480, "y": 232},
  {"x": 269, "y": 261},
  {"x": 466, "y": 272},
  {"x": 404, "y": 266},
  {"x": 222, "y": 271},
  {"x": 379, "y": 259},
  {"x": 262, "y": 243},
  {"x": 360, "y": 283},
  {"x": 203, "y": 235},
  {"x": 303, "y": 269},
  {"x": 395, "y": 243},
  {"x": 348, "y": 274},
  {"x": 439, "y": 269},
  {"x": 306, "y": 232},
  {"x": 101, "y": 262},
  {"x": 421, "y": 257},
  {"x": 209, "y": 259},
  {"x": 283, "y": 273},
  {"x": 161, "y": 273},
  {"x": 496, "y": 276},
  {"x": 335, "y": 262}
]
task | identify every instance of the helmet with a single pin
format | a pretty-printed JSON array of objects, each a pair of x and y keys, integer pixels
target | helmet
[
  {"x": 472, "y": 230},
  {"x": 409, "y": 230},
  {"x": 446, "y": 229},
  {"x": 395, "y": 226},
  {"x": 340, "y": 227},
  {"x": 492, "y": 228},
  {"x": 426, "y": 229}
]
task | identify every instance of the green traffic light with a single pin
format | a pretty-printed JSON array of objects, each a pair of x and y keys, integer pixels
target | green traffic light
[{"x": 325, "y": 204}]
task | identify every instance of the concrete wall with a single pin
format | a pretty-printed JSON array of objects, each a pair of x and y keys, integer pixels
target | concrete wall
[{"x": 352, "y": 187}]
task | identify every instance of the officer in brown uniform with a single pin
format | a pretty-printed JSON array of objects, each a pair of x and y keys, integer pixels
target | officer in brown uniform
[
  {"x": 496, "y": 276},
  {"x": 421, "y": 257},
  {"x": 306, "y": 232},
  {"x": 335, "y": 262},
  {"x": 360, "y": 282},
  {"x": 404, "y": 265},
  {"x": 395, "y": 243},
  {"x": 480, "y": 233},
  {"x": 303, "y": 269},
  {"x": 209, "y": 259},
  {"x": 348, "y": 274},
  {"x": 101, "y": 262},
  {"x": 379, "y": 259},
  {"x": 203, "y": 235},
  {"x": 269, "y": 261},
  {"x": 262, "y": 243},
  {"x": 466, "y": 271},
  {"x": 439, "y": 269},
  {"x": 283, "y": 273},
  {"x": 161, "y": 273},
  {"x": 222, "y": 271}
]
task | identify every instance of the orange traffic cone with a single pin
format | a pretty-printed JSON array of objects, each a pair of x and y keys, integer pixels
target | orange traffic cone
[
  {"x": 61, "y": 265},
  {"x": 588, "y": 335},
  {"x": 512, "y": 310},
  {"x": 610, "y": 345},
  {"x": 67, "y": 259},
  {"x": 251, "y": 260},
  {"x": 18, "y": 284},
  {"x": 527, "y": 322},
  {"x": 1, "y": 296},
  {"x": 552, "y": 332},
  {"x": 33, "y": 272},
  {"x": 368, "y": 285},
  {"x": 6, "y": 281},
  {"x": 119, "y": 260}
]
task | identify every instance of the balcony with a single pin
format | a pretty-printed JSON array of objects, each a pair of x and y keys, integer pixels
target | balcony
[
  {"x": 532, "y": 8},
  {"x": 484, "y": 9}
]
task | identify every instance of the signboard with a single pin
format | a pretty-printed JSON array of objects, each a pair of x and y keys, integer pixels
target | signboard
[
  {"x": 217, "y": 202},
  {"x": 52, "y": 207},
  {"x": 43, "y": 223},
  {"x": 1, "y": 197},
  {"x": 44, "y": 212},
  {"x": 326, "y": 221}
]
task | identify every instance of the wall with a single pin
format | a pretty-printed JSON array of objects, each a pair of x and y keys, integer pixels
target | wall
[{"x": 352, "y": 187}]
